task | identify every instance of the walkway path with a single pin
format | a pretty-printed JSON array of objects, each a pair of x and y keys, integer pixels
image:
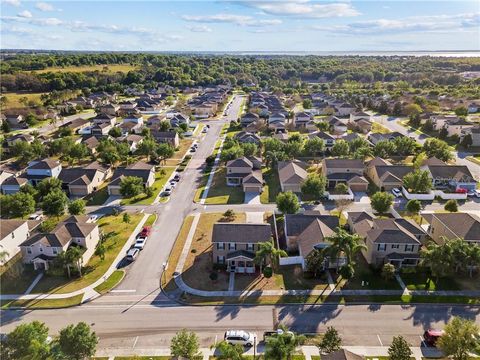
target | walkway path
[
  {"x": 231, "y": 281},
  {"x": 34, "y": 283},
  {"x": 212, "y": 173},
  {"x": 186, "y": 247}
]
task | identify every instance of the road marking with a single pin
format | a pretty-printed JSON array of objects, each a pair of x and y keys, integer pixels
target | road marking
[
  {"x": 123, "y": 291},
  {"x": 380, "y": 340},
  {"x": 135, "y": 342}
]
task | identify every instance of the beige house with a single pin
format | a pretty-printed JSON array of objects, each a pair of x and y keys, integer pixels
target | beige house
[
  {"x": 292, "y": 174},
  {"x": 168, "y": 137},
  {"x": 346, "y": 171},
  {"x": 14, "y": 232},
  {"x": 245, "y": 172},
  {"x": 41, "y": 249},
  {"x": 234, "y": 245},
  {"x": 81, "y": 181},
  {"x": 140, "y": 169},
  {"x": 395, "y": 241},
  {"x": 453, "y": 225},
  {"x": 385, "y": 175}
]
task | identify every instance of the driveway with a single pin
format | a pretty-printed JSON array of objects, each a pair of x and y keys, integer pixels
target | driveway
[
  {"x": 254, "y": 217},
  {"x": 361, "y": 197},
  {"x": 252, "y": 198}
]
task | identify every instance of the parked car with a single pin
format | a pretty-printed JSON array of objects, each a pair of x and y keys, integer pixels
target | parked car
[
  {"x": 204, "y": 130},
  {"x": 207, "y": 126},
  {"x": 277, "y": 332},
  {"x": 396, "y": 192},
  {"x": 193, "y": 149},
  {"x": 240, "y": 337},
  {"x": 132, "y": 254},
  {"x": 172, "y": 183},
  {"x": 140, "y": 243},
  {"x": 35, "y": 217},
  {"x": 176, "y": 177},
  {"x": 461, "y": 191},
  {"x": 145, "y": 231},
  {"x": 431, "y": 336},
  {"x": 167, "y": 191}
]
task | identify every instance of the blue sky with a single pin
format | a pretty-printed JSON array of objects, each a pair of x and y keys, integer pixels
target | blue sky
[{"x": 241, "y": 25}]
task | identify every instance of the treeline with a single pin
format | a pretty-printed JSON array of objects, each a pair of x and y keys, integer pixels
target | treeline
[{"x": 276, "y": 72}]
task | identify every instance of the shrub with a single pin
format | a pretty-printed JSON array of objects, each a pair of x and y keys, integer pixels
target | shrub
[
  {"x": 267, "y": 272},
  {"x": 213, "y": 276}
]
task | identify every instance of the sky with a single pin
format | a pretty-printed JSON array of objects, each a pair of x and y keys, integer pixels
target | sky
[{"x": 241, "y": 25}]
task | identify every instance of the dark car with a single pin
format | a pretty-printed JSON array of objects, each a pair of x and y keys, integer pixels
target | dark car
[{"x": 431, "y": 336}]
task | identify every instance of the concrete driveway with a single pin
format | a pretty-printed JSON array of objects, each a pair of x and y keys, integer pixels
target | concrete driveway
[
  {"x": 252, "y": 198},
  {"x": 361, "y": 197}
]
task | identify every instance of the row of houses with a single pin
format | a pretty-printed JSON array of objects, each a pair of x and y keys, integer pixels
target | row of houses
[{"x": 208, "y": 103}]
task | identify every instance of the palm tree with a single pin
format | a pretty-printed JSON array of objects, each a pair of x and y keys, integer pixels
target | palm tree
[
  {"x": 268, "y": 253},
  {"x": 472, "y": 258},
  {"x": 74, "y": 256},
  {"x": 3, "y": 256},
  {"x": 438, "y": 258},
  {"x": 283, "y": 345},
  {"x": 344, "y": 242}
]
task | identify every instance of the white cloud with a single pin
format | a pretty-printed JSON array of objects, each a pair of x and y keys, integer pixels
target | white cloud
[
  {"x": 199, "y": 28},
  {"x": 43, "y": 6},
  {"x": 11, "y": 2},
  {"x": 25, "y": 14},
  {"x": 303, "y": 8},
  {"x": 241, "y": 20}
]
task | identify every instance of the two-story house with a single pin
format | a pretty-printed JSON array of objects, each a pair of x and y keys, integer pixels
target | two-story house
[
  {"x": 301, "y": 120},
  {"x": 385, "y": 175},
  {"x": 248, "y": 119},
  {"x": 38, "y": 170},
  {"x": 139, "y": 169},
  {"x": 235, "y": 245},
  {"x": 13, "y": 232},
  {"x": 346, "y": 171},
  {"x": 168, "y": 137},
  {"x": 245, "y": 172},
  {"x": 450, "y": 226}
]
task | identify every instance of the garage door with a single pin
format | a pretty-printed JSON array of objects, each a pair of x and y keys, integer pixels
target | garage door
[
  {"x": 251, "y": 189},
  {"x": 359, "y": 187}
]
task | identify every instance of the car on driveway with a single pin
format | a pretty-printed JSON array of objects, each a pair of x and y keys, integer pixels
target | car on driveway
[
  {"x": 431, "y": 336},
  {"x": 140, "y": 243},
  {"x": 132, "y": 254},
  {"x": 239, "y": 337},
  {"x": 396, "y": 192}
]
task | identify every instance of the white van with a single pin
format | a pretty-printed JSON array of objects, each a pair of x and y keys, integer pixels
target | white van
[{"x": 239, "y": 337}]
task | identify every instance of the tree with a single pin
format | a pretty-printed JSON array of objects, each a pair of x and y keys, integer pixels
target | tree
[
  {"x": 467, "y": 141},
  {"x": 381, "y": 202},
  {"x": 405, "y": 146},
  {"x": 76, "y": 342},
  {"x": 100, "y": 251},
  {"x": 340, "y": 148},
  {"x": 115, "y": 132},
  {"x": 397, "y": 109},
  {"x": 412, "y": 110},
  {"x": 283, "y": 345},
  {"x": 46, "y": 186},
  {"x": 384, "y": 149},
  {"x": 231, "y": 153},
  {"x": 314, "y": 146},
  {"x": 342, "y": 242},
  {"x": 228, "y": 351},
  {"x": 131, "y": 186},
  {"x": 437, "y": 148},
  {"x": 418, "y": 181},
  {"x": 76, "y": 207},
  {"x": 438, "y": 258},
  {"x": 451, "y": 205},
  {"x": 27, "y": 341},
  {"x": 78, "y": 151},
  {"x": 314, "y": 185},
  {"x": 165, "y": 151},
  {"x": 331, "y": 341},
  {"x": 461, "y": 111},
  {"x": 315, "y": 261},
  {"x": 54, "y": 203},
  {"x": 322, "y": 125},
  {"x": 19, "y": 205},
  {"x": 249, "y": 149},
  {"x": 307, "y": 104},
  {"x": 185, "y": 344},
  {"x": 399, "y": 349},
  {"x": 287, "y": 202},
  {"x": 460, "y": 338},
  {"x": 126, "y": 218},
  {"x": 443, "y": 133},
  {"x": 268, "y": 253},
  {"x": 341, "y": 188},
  {"x": 388, "y": 271},
  {"x": 148, "y": 148},
  {"x": 414, "y": 206}
]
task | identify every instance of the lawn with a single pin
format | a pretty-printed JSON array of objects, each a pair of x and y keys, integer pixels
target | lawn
[
  {"x": 112, "y": 281},
  {"x": 98, "y": 197},
  {"x": 96, "y": 267},
  {"x": 15, "y": 278},
  {"x": 143, "y": 199},
  {"x": 13, "y": 99},
  {"x": 112, "y": 68},
  {"x": 272, "y": 187},
  {"x": 45, "y": 303},
  {"x": 220, "y": 193},
  {"x": 423, "y": 281},
  {"x": 143, "y": 358},
  {"x": 183, "y": 147},
  {"x": 198, "y": 264},
  {"x": 198, "y": 129},
  {"x": 372, "y": 279},
  {"x": 378, "y": 128},
  {"x": 150, "y": 220}
]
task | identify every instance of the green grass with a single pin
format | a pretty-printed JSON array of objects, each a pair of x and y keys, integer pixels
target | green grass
[
  {"x": 143, "y": 358},
  {"x": 198, "y": 129},
  {"x": 150, "y": 220},
  {"x": 364, "y": 273},
  {"x": 157, "y": 186},
  {"x": 98, "y": 197},
  {"x": 15, "y": 278},
  {"x": 219, "y": 193},
  {"x": 96, "y": 267},
  {"x": 13, "y": 99},
  {"x": 44, "y": 304},
  {"x": 109, "y": 69},
  {"x": 422, "y": 281},
  {"x": 378, "y": 128},
  {"x": 272, "y": 187},
  {"x": 315, "y": 357},
  {"x": 112, "y": 281}
]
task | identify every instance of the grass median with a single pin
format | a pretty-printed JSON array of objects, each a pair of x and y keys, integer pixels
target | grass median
[
  {"x": 112, "y": 281},
  {"x": 44, "y": 303}
]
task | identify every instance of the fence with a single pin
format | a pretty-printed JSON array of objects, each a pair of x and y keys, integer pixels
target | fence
[{"x": 291, "y": 260}]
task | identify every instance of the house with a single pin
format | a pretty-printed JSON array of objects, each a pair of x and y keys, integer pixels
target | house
[
  {"x": 134, "y": 118},
  {"x": 179, "y": 119},
  {"x": 346, "y": 171},
  {"x": 395, "y": 241},
  {"x": 14, "y": 232},
  {"x": 133, "y": 141},
  {"x": 105, "y": 169},
  {"x": 474, "y": 133},
  {"x": 19, "y": 138},
  {"x": 363, "y": 125},
  {"x": 375, "y": 138},
  {"x": 140, "y": 169},
  {"x": 130, "y": 127},
  {"x": 301, "y": 120},
  {"x": 452, "y": 226},
  {"x": 92, "y": 143},
  {"x": 328, "y": 139},
  {"x": 292, "y": 174},
  {"x": 249, "y": 118},
  {"x": 204, "y": 110},
  {"x": 41, "y": 249},
  {"x": 247, "y": 137},
  {"x": 13, "y": 184},
  {"x": 77, "y": 125},
  {"x": 451, "y": 177},
  {"x": 342, "y": 354},
  {"x": 338, "y": 126},
  {"x": 80, "y": 182},
  {"x": 245, "y": 172},
  {"x": 105, "y": 118},
  {"x": 128, "y": 105},
  {"x": 344, "y": 109},
  {"x": 234, "y": 245},
  {"x": 8, "y": 170},
  {"x": 101, "y": 129},
  {"x": 385, "y": 175},
  {"x": 453, "y": 124},
  {"x": 276, "y": 119},
  {"x": 40, "y": 169},
  {"x": 308, "y": 231},
  {"x": 109, "y": 109},
  {"x": 15, "y": 121},
  {"x": 169, "y": 137}
]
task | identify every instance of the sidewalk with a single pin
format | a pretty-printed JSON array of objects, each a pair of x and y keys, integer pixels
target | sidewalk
[
  {"x": 88, "y": 292},
  {"x": 212, "y": 172}
]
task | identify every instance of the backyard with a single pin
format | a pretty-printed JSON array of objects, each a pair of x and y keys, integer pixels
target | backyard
[{"x": 272, "y": 186}]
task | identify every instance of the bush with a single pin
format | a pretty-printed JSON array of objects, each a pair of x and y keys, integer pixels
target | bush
[
  {"x": 213, "y": 276},
  {"x": 267, "y": 272},
  {"x": 220, "y": 267}
]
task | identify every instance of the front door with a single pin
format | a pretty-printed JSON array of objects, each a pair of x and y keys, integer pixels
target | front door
[{"x": 232, "y": 266}]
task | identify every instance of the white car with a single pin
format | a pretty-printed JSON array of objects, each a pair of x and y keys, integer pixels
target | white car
[
  {"x": 173, "y": 183},
  {"x": 35, "y": 217},
  {"x": 240, "y": 337},
  {"x": 167, "y": 191},
  {"x": 140, "y": 243},
  {"x": 132, "y": 254},
  {"x": 204, "y": 130},
  {"x": 396, "y": 192}
]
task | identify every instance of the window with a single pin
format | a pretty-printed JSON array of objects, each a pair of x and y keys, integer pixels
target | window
[
  {"x": 395, "y": 246},
  {"x": 13, "y": 235},
  {"x": 221, "y": 259},
  {"x": 220, "y": 246},
  {"x": 232, "y": 246},
  {"x": 41, "y": 249},
  {"x": 381, "y": 247},
  {"x": 409, "y": 247},
  {"x": 250, "y": 247},
  {"x": 29, "y": 250}
]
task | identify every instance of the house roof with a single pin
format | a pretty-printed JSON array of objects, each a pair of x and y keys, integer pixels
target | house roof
[
  {"x": 433, "y": 161},
  {"x": 463, "y": 225},
  {"x": 98, "y": 166},
  {"x": 388, "y": 231},
  {"x": 343, "y": 163},
  {"x": 77, "y": 176},
  {"x": 139, "y": 169},
  {"x": 396, "y": 172},
  {"x": 297, "y": 223},
  {"x": 241, "y": 233},
  {"x": 254, "y": 178},
  {"x": 292, "y": 172},
  {"x": 45, "y": 164},
  {"x": 322, "y": 135},
  {"x": 240, "y": 162},
  {"x": 453, "y": 172},
  {"x": 378, "y": 161},
  {"x": 91, "y": 142},
  {"x": 357, "y": 216},
  {"x": 76, "y": 123},
  {"x": 164, "y": 134},
  {"x": 12, "y": 181},
  {"x": 314, "y": 234},
  {"x": 342, "y": 355},
  {"x": 7, "y": 226}
]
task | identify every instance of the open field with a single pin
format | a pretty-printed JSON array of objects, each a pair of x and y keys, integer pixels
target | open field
[
  {"x": 112, "y": 68},
  {"x": 13, "y": 99}
]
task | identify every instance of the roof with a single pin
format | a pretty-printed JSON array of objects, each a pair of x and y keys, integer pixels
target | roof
[
  {"x": 91, "y": 142},
  {"x": 322, "y": 135},
  {"x": 357, "y": 216},
  {"x": 463, "y": 225},
  {"x": 342, "y": 355},
  {"x": 12, "y": 181},
  {"x": 75, "y": 123},
  {"x": 10, "y": 225},
  {"x": 255, "y": 177},
  {"x": 98, "y": 166},
  {"x": 314, "y": 234},
  {"x": 297, "y": 223},
  {"x": 389, "y": 231},
  {"x": 454, "y": 172},
  {"x": 395, "y": 171},
  {"x": 164, "y": 134},
  {"x": 343, "y": 164},
  {"x": 241, "y": 233},
  {"x": 378, "y": 161},
  {"x": 139, "y": 169},
  {"x": 292, "y": 172},
  {"x": 77, "y": 176},
  {"x": 241, "y": 253},
  {"x": 240, "y": 162},
  {"x": 45, "y": 164}
]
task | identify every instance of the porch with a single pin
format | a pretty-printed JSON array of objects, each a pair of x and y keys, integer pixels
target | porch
[{"x": 241, "y": 262}]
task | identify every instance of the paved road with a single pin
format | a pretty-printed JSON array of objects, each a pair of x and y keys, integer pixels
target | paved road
[{"x": 151, "y": 326}]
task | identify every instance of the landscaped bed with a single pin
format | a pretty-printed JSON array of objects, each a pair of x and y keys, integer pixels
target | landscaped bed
[
  {"x": 96, "y": 267},
  {"x": 15, "y": 278}
]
